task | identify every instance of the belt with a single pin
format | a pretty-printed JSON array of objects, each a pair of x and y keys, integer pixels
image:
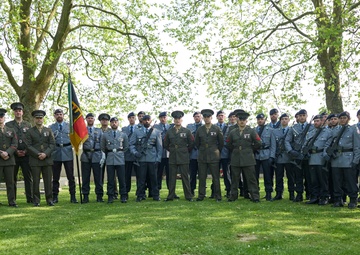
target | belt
[
  {"x": 316, "y": 151},
  {"x": 63, "y": 145},
  {"x": 115, "y": 150},
  {"x": 265, "y": 148},
  {"x": 90, "y": 150},
  {"x": 345, "y": 150}
]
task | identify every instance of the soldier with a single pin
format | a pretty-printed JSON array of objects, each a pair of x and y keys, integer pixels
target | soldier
[
  {"x": 283, "y": 161},
  {"x": 146, "y": 146},
  {"x": 8, "y": 146},
  {"x": 104, "y": 119},
  {"x": 209, "y": 140},
  {"x": 90, "y": 159},
  {"x": 140, "y": 115},
  {"x": 114, "y": 143},
  {"x": 265, "y": 156},
  {"x": 334, "y": 127},
  {"x": 343, "y": 163},
  {"x": 129, "y": 157},
  {"x": 314, "y": 145},
  {"x": 224, "y": 155},
  {"x": 163, "y": 127},
  {"x": 194, "y": 167},
  {"x": 274, "y": 115},
  {"x": 294, "y": 140},
  {"x": 21, "y": 127},
  {"x": 62, "y": 155},
  {"x": 179, "y": 141},
  {"x": 40, "y": 145},
  {"x": 241, "y": 142}
]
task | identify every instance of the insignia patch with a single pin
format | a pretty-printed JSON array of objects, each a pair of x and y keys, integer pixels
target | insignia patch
[
  {"x": 25, "y": 129},
  {"x": 182, "y": 135},
  {"x": 213, "y": 133},
  {"x": 246, "y": 136},
  {"x": 46, "y": 134},
  {"x": 258, "y": 137},
  {"x": 9, "y": 133}
]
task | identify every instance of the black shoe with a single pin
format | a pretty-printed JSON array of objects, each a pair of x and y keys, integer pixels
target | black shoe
[
  {"x": 73, "y": 199},
  {"x": 168, "y": 199},
  {"x": 268, "y": 196},
  {"x": 86, "y": 199},
  {"x": 312, "y": 201},
  {"x": 123, "y": 200},
  {"x": 110, "y": 200},
  {"x": 29, "y": 201},
  {"x": 116, "y": 197},
  {"x": 99, "y": 199},
  {"x": 14, "y": 205},
  {"x": 291, "y": 196},
  {"x": 256, "y": 201},
  {"x": 36, "y": 204},
  {"x": 277, "y": 197},
  {"x": 298, "y": 198},
  {"x": 199, "y": 199},
  {"x": 247, "y": 196},
  {"x": 51, "y": 204},
  {"x": 176, "y": 197},
  {"x": 352, "y": 205},
  {"x": 323, "y": 201},
  {"x": 218, "y": 200},
  {"x": 338, "y": 204},
  {"x": 55, "y": 198},
  {"x": 212, "y": 196},
  {"x": 190, "y": 199},
  {"x": 156, "y": 198},
  {"x": 231, "y": 200}
]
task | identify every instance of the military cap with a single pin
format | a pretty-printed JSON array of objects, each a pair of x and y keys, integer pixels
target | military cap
[
  {"x": 323, "y": 113},
  {"x": 195, "y": 113},
  {"x": 220, "y": 112},
  {"x": 231, "y": 114},
  {"x": 347, "y": 114},
  {"x": 131, "y": 114},
  {"x": 358, "y": 113},
  {"x": 260, "y": 116},
  {"x": 302, "y": 111},
  {"x": 273, "y": 111},
  {"x": 141, "y": 112},
  {"x": 177, "y": 114},
  {"x": 283, "y": 116},
  {"x": 318, "y": 117},
  {"x": 207, "y": 112},
  {"x": 2, "y": 112},
  {"x": 242, "y": 115},
  {"x": 296, "y": 114},
  {"x": 58, "y": 111},
  {"x": 114, "y": 119},
  {"x": 237, "y": 111},
  {"x": 38, "y": 113},
  {"x": 146, "y": 117},
  {"x": 90, "y": 115},
  {"x": 162, "y": 114},
  {"x": 104, "y": 116},
  {"x": 16, "y": 106},
  {"x": 332, "y": 115}
]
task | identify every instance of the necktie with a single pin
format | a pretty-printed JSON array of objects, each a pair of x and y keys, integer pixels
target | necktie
[
  {"x": 302, "y": 126},
  {"x": 90, "y": 129},
  {"x": 114, "y": 132},
  {"x": 196, "y": 127},
  {"x": 131, "y": 129},
  {"x": 283, "y": 130},
  {"x": 164, "y": 128},
  {"x": 60, "y": 127},
  {"x": 220, "y": 126}
]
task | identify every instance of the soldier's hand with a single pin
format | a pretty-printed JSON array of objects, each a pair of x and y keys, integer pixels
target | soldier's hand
[
  {"x": 4, "y": 154},
  {"x": 326, "y": 157},
  {"x": 137, "y": 154},
  {"x": 294, "y": 153},
  {"x": 353, "y": 165},
  {"x": 271, "y": 161},
  {"x": 42, "y": 156},
  {"x": 102, "y": 160},
  {"x": 20, "y": 153}
]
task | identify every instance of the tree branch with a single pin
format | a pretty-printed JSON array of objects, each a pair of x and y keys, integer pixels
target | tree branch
[
  {"x": 354, "y": 6},
  {"x": 9, "y": 74}
]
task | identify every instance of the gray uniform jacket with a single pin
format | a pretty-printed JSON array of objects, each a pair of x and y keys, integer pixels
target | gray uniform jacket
[
  {"x": 152, "y": 149},
  {"x": 282, "y": 157},
  {"x": 293, "y": 137},
  {"x": 91, "y": 147},
  {"x": 224, "y": 152},
  {"x": 127, "y": 130},
  {"x": 163, "y": 131},
  {"x": 316, "y": 153},
  {"x": 63, "y": 150},
  {"x": 348, "y": 148},
  {"x": 268, "y": 147},
  {"x": 192, "y": 126},
  {"x": 114, "y": 147}
]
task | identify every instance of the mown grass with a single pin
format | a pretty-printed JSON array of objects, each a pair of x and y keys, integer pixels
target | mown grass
[{"x": 178, "y": 227}]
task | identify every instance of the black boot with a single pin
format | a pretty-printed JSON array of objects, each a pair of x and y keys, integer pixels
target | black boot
[
  {"x": 55, "y": 198},
  {"x": 323, "y": 201},
  {"x": 268, "y": 196},
  {"x": 353, "y": 203},
  {"x": 338, "y": 202},
  {"x": 86, "y": 199},
  {"x": 312, "y": 201},
  {"x": 99, "y": 198},
  {"x": 73, "y": 199},
  {"x": 278, "y": 196},
  {"x": 291, "y": 196},
  {"x": 299, "y": 197}
]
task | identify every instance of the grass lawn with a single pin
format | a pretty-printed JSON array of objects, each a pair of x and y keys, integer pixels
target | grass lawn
[{"x": 178, "y": 227}]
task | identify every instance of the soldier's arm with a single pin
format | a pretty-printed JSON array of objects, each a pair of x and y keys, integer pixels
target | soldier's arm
[
  {"x": 125, "y": 142},
  {"x": 228, "y": 143},
  {"x": 272, "y": 144},
  {"x": 256, "y": 140},
  {"x": 220, "y": 140},
  {"x": 159, "y": 147},
  {"x": 29, "y": 145},
  {"x": 356, "y": 146},
  {"x": 288, "y": 139},
  {"x": 51, "y": 147},
  {"x": 166, "y": 143},
  {"x": 132, "y": 143},
  {"x": 13, "y": 146}
]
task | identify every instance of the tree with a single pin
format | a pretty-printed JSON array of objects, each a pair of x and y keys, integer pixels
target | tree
[
  {"x": 114, "y": 44},
  {"x": 277, "y": 45}
]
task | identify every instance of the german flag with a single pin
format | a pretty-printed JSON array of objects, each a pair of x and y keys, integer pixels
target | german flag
[{"x": 78, "y": 130}]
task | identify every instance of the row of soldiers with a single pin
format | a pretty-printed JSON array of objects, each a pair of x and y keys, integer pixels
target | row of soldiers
[{"x": 322, "y": 157}]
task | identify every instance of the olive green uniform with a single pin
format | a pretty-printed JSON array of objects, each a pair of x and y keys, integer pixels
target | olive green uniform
[
  {"x": 179, "y": 143},
  {"x": 242, "y": 146},
  {"x": 209, "y": 142}
]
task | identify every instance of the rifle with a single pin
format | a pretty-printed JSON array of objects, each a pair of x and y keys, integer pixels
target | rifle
[
  {"x": 281, "y": 147},
  {"x": 310, "y": 143},
  {"x": 141, "y": 149},
  {"x": 332, "y": 149},
  {"x": 259, "y": 134}
]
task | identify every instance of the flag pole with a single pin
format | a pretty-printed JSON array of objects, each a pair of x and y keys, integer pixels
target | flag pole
[{"x": 70, "y": 87}]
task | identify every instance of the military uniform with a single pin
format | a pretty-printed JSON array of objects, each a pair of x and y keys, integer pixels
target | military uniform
[
  {"x": 115, "y": 143},
  {"x": 8, "y": 143},
  {"x": 209, "y": 142},
  {"x": 164, "y": 164},
  {"x": 179, "y": 143},
  {"x": 22, "y": 160},
  {"x": 148, "y": 155},
  {"x": 90, "y": 159}
]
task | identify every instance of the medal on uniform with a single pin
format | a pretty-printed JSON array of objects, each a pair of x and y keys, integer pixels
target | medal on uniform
[
  {"x": 45, "y": 134},
  {"x": 4, "y": 146},
  {"x": 182, "y": 134},
  {"x": 20, "y": 141},
  {"x": 213, "y": 133},
  {"x": 246, "y": 135}
]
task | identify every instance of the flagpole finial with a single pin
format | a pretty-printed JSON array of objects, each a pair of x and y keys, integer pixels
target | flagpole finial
[{"x": 68, "y": 63}]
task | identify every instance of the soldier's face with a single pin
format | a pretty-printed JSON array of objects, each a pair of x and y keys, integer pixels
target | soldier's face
[
  {"x": 39, "y": 121},
  {"x": 260, "y": 121},
  {"x": 132, "y": 120},
  {"x": 18, "y": 113},
  {"x": 241, "y": 122},
  {"x": 197, "y": 118},
  {"x": 334, "y": 121},
  {"x": 285, "y": 121},
  {"x": 2, "y": 120},
  {"x": 317, "y": 123},
  {"x": 163, "y": 119},
  {"x": 274, "y": 117},
  {"x": 59, "y": 117},
  {"x": 146, "y": 123},
  {"x": 177, "y": 122},
  {"x": 114, "y": 124},
  {"x": 221, "y": 118},
  {"x": 207, "y": 119},
  {"x": 232, "y": 119},
  {"x": 104, "y": 122},
  {"x": 140, "y": 116},
  {"x": 90, "y": 121},
  {"x": 343, "y": 120},
  {"x": 302, "y": 118}
]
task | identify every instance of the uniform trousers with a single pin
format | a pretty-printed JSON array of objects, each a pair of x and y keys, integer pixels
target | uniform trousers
[
  {"x": 86, "y": 173},
  {"x": 164, "y": 164},
  {"x": 46, "y": 172},
  {"x": 129, "y": 167},
  {"x": 103, "y": 177},
  {"x": 319, "y": 182},
  {"x": 268, "y": 174},
  {"x": 345, "y": 176},
  {"x": 249, "y": 175},
  {"x": 8, "y": 173},
  {"x": 224, "y": 165},
  {"x": 301, "y": 174},
  {"x": 183, "y": 169},
  {"x": 23, "y": 162},
  {"x": 150, "y": 169},
  {"x": 69, "y": 169},
  {"x": 279, "y": 176},
  {"x": 113, "y": 171},
  {"x": 215, "y": 173}
]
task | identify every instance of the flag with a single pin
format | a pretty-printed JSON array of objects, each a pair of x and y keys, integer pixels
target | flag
[{"x": 78, "y": 130}]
